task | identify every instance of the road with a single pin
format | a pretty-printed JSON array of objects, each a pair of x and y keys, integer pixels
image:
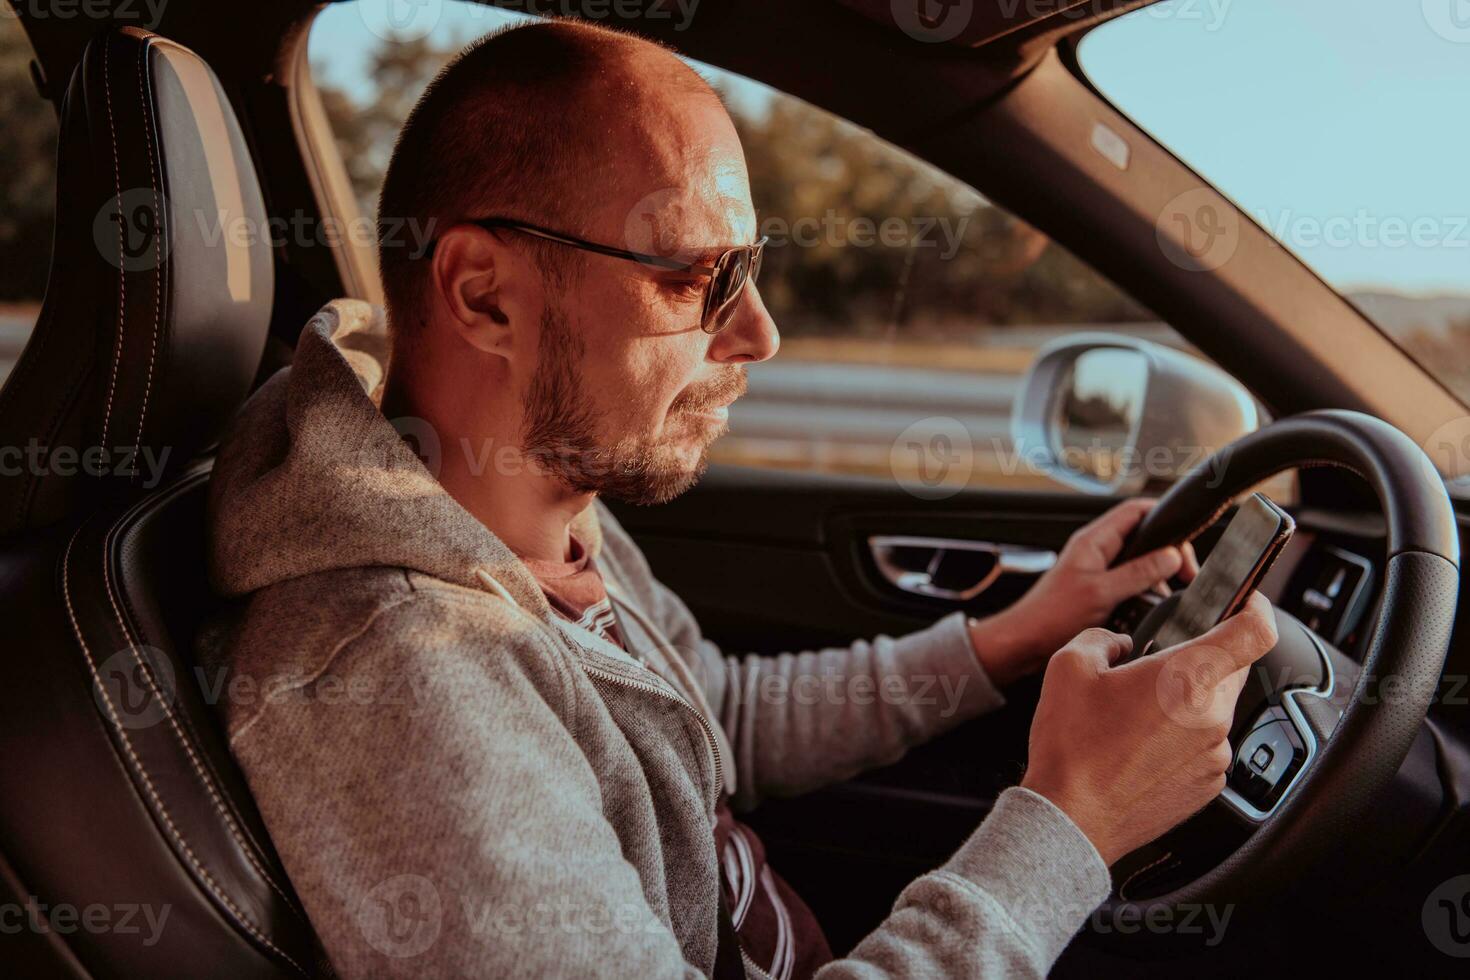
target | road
[
  {"x": 13, "y": 333},
  {"x": 826, "y": 416}
]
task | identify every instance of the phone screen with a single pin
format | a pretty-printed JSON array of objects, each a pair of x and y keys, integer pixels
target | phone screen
[{"x": 1237, "y": 562}]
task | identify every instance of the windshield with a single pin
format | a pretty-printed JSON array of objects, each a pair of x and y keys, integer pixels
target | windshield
[{"x": 1339, "y": 126}]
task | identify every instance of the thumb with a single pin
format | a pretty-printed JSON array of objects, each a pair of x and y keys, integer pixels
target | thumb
[
  {"x": 1144, "y": 571},
  {"x": 1101, "y": 647}
]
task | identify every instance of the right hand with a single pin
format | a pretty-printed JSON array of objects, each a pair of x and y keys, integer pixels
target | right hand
[{"x": 1130, "y": 751}]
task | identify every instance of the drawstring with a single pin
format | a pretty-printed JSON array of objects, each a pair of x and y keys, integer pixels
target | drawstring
[{"x": 495, "y": 586}]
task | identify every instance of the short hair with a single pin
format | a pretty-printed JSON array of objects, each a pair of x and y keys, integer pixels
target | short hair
[{"x": 516, "y": 125}]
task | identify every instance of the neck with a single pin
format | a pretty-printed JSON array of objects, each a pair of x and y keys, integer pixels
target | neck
[{"x": 483, "y": 468}]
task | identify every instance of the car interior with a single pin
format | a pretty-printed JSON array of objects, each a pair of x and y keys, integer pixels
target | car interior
[{"x": 103, "y": 583}]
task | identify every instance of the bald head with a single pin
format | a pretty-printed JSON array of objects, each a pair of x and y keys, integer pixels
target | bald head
[{"x": 548, "y": 123}]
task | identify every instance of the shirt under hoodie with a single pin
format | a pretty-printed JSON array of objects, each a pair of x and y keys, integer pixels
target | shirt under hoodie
[
  {"x": 775, "y": 927},
  {"x": 461, "y": 782}
]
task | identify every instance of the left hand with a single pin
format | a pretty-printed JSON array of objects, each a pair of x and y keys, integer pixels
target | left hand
[{"x": 1077, "y": 592}]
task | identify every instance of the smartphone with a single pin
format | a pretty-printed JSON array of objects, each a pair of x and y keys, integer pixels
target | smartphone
[{"x": 1239, "y": 560}]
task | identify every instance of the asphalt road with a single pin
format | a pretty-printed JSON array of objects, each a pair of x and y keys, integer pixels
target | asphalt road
[{"x": 13, "y": 334}]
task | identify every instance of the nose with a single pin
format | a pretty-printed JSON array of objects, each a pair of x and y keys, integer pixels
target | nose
[{"x": 751, "y": 334}]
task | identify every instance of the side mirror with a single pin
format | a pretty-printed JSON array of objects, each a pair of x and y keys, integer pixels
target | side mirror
[{"x": 1111, "y": 414}]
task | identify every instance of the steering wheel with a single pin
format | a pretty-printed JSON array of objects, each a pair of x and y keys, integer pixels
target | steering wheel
[{"x": 1352, "y": 737}]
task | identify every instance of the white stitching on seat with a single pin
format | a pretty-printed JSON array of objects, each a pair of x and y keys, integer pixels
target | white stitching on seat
[
  {"x": 173, "y": 720},
  {"x": 142, "y": 773},
  {"x": 143, "y": 65},
  {"x": 1123, "y": 888},
  {"x": 121, "y": 257}
]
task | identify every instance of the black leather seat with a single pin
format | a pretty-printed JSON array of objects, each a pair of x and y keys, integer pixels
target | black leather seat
[{"x": 128, "y": 839}]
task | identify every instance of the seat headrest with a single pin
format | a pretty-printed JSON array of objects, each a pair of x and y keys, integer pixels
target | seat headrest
[{"x": 159, "y": 298}]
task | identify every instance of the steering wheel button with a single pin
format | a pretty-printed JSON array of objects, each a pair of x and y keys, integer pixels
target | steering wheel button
[{"x": 1261, "y": 758}]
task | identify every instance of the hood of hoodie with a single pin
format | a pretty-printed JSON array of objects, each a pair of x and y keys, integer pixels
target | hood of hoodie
[{"x": 312, "y": 478}]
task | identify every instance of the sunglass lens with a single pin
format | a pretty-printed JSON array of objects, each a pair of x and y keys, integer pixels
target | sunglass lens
[{"x": 727, "y": 286}]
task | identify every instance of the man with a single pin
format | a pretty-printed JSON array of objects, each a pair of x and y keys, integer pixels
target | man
[{"x": 485, "y": 740}]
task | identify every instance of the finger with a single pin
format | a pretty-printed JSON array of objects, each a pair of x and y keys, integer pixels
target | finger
[
  {"x": 1190, "y": 568},
  {"x": 1234, "y": 683},
  {"x": 1247, "y": 636},
  {"x": 1144, "y": 571},
  {"x": 1108, "y": 532},
  {"x": 1101, "y": 647}
]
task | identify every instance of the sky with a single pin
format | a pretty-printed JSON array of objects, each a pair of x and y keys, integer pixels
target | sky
[
  {"x": 1341, "y": 126},
  {"x": 1336, "y": 124}
]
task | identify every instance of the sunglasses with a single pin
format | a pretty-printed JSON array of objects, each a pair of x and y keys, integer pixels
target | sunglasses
[{"x": 728, "y": 274}]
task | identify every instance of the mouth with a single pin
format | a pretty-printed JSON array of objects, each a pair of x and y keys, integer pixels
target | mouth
[{"x": 719, "y": 413}]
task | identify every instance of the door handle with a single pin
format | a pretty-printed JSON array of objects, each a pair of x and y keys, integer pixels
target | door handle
[{"x": 955, "y": 569}]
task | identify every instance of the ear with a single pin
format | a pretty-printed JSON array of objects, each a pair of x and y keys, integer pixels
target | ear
[{"x": 491, "y": 293}]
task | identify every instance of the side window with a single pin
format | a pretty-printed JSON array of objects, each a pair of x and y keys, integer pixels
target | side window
[
  {"x": 909, "y": 306},
  {"x": 28, "y": 187}
]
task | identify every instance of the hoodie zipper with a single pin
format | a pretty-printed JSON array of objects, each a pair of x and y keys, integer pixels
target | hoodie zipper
[{"x": 612, "y": 677}]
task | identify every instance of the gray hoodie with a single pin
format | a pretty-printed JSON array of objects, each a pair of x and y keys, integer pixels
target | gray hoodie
[{"x": 461, "y": 784}]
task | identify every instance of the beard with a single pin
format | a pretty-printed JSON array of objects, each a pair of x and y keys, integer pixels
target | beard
[{"x": 561, "y": 431}]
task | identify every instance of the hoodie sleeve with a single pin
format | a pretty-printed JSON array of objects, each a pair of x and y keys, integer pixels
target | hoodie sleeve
[
  {"x": 1005, "y": 905},
  {"x": 799, "y": 721}
]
